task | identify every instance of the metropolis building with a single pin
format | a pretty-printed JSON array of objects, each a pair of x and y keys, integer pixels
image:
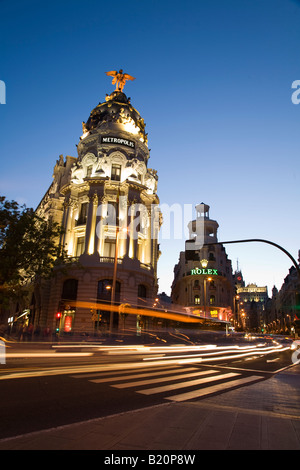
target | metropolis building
[
  {"x": 106, "y": 200},
  {"x": 203, "y": 280}
]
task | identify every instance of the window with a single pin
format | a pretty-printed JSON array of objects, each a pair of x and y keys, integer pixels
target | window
[
  {"x": 89, "y": 170},
  {"x": 112, "y": 214},
  {"x": 116, "y": 172},
  {"x": 69, "y": 291},
  {"x": 82, "y": 214},
  {"x": 79, "y": 246},
  {"x": 104, "y": 290},
  {"x": 212, "y": 300},
  {"x": 104, "y": 294},
  {"x": 142, "y": 291},
  {"x": 109, "y": 247},
  {"x": 197, "y": 300}
]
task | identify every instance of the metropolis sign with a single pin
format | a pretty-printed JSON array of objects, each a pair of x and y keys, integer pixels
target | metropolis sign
[
  {"x": 207, "y": 271},
  {"x": 117, "y": 140}
]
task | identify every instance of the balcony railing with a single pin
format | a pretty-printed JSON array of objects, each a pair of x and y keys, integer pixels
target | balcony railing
[{"x": 111, "y": 259}]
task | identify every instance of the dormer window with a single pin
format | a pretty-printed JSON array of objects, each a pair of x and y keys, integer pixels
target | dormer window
[
  {"x": 116, "y": 172},
  {"x": 89, "y": 170}
]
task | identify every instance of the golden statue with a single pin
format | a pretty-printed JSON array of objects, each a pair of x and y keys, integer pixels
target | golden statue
[{"x": 120, "y": 78}]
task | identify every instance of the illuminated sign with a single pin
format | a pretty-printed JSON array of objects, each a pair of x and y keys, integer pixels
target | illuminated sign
[
  {"x": 68, "y": 323},
  {"x": 214, "y": 313},
  {"x": 117, "y": 140},
  {"x": 207, "y": 271}
]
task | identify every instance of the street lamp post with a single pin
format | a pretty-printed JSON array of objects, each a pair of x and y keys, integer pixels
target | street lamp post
[
  {"x": 205, "y": 294},
  {"x": 113, "y": 290},
  {"x": 204, "y": 264}
]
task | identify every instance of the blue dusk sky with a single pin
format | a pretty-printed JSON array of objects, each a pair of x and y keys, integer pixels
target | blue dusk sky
[{"x": 213, "y": 84}]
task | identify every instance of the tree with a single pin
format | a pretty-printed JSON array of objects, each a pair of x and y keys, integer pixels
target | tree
[{"x": 29, "y": 246}]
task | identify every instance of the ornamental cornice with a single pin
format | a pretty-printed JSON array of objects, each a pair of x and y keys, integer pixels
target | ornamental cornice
[
  {"x": 75, "y": 189},
  {"x": 92, "y": 180},
  {"x": 149, "y": 199},
  {"x": 136, "y": 186},
  {"x": 111, "y": 185}
]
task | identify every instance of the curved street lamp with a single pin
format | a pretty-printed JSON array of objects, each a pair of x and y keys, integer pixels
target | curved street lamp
[
  {"x": 263, "y": 241},
  {"x": 269, "y": 243}
]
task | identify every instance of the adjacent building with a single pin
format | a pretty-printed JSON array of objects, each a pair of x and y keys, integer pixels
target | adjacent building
[
  {"x": 283, "y": 313},
  {"x": 252, "y": 302},
  {"x": 203, "y": 280}
]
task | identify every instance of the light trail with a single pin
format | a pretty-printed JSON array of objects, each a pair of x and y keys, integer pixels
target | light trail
[
  {"x": 52, "y": 355},
  {"x": 222, "y": 358},
  {"x": 155, "y": 356},
  {"x": 170, "y": 315},
  {"x": 239, "y": 351}
]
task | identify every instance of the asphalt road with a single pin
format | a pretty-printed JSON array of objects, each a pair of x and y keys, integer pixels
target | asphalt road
[{"x": 43, "y": 386}]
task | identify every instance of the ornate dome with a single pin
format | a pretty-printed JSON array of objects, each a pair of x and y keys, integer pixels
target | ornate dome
[{"x": 116, "y": 109}]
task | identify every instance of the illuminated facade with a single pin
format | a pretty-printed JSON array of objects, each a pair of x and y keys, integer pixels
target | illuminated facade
[
  {"x": 252, "y": 302},
  {"x": 253, "y": 293},
  {"x": 107, "y": 203},
  {"x": 283, "y": 311},
  {"x": 203, "y": 279}
]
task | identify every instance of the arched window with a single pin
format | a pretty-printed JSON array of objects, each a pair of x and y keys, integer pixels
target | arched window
[
  {"x": 105, "y": 288},
  {"x": 69, "y": 294},
  {"x": 142, "y": 294},
  {"x": 142, "y": 291},
  {"x": 104, "y": 294}
]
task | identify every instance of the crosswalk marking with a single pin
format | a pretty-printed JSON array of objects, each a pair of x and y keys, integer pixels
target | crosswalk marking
[
  {"x": 214, "y": 388},
  {"x": 134, "y": 369},
  {"x": 163, "y": 379},
  {"x": 171, "y": 378},
  {"x": 136, "y": 376},
  {"x": 190, "y": 383}
]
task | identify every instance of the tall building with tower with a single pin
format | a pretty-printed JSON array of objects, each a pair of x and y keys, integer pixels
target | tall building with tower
[
  {"x": 106, "y": 200},
  {"x": 203, "y": 280}
]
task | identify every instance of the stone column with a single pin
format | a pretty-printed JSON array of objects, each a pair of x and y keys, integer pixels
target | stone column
[
  {"x": 68, "y": 224},
  {"x": 99, "y": 237},
  {"x": 90, "y": 225}
]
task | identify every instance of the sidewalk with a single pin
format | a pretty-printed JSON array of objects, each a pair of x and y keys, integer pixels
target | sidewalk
[{"x": 265, "y": 415}]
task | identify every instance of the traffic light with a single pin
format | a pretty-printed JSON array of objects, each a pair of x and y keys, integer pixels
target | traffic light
[{"x": 58, "y": 317}]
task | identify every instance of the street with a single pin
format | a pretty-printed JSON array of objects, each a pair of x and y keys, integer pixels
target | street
[{"x": 49, "y": 385}]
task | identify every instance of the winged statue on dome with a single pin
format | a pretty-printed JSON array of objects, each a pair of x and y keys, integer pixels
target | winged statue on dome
[{"x": 119, "y": 78}]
